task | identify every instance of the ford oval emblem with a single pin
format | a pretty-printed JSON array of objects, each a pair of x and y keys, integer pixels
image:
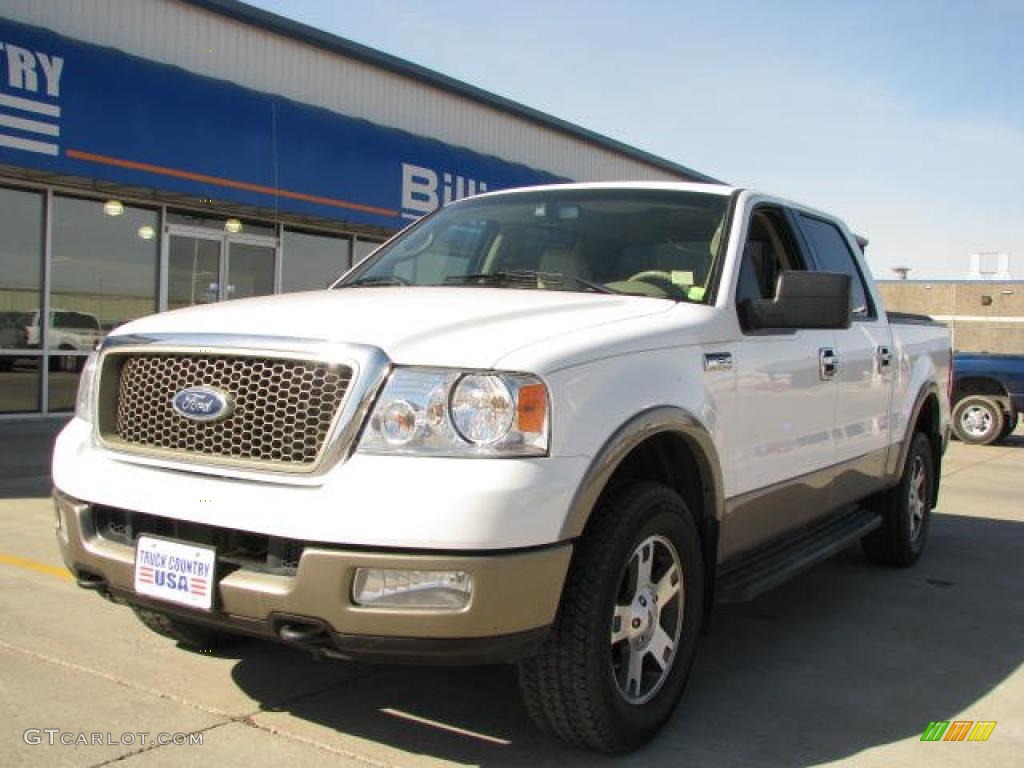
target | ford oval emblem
[{"x": 203, "y": 404}]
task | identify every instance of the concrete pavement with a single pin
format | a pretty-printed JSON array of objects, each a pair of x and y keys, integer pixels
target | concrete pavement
[{"x": 844, "y": 666}]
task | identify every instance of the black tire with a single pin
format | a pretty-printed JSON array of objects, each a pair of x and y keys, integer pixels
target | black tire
[
  {"x": 1009, "y": 425},
  {"x": 6, "y": 365},
  {"x": 906, "y": 510},
  {"x": 573, "y": 687},
  {"x": 193, "y": 636},
  {"x": 978, "y": 420}
]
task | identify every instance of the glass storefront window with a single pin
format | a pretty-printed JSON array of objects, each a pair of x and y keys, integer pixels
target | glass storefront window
[
  {"x": 250, "y": 270},
  {"x": 103, "y": 271},
  {"x": 364, "y": 248},
  {"x": 62, "y": 385},
  {"x": 21, "y": 256},
  {"x": 312, "y": 261},
  {"x": 19, "y": 384},
  {"x": 221, "y": 224}
]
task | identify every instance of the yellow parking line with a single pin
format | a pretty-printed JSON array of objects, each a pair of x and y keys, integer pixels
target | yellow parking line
[{"x": 32, "y": 565}]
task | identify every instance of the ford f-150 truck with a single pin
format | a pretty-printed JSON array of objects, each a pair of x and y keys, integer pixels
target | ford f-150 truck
[
  {"x": 549, "y": 426},
  {"x": 988, "y": 396}
]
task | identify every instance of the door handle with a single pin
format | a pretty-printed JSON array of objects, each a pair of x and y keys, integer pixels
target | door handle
[
  {"x": 884, "y": 359},
  {"x": 828, "y": 363}
]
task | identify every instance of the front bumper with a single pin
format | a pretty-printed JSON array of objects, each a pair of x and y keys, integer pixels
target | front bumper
[
  {"x": 365, "y": 502},
  {"x": 515, "y": 597}
]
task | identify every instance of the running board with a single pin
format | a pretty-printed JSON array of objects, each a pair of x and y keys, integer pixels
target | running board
[{"x": 768, "y": 566}]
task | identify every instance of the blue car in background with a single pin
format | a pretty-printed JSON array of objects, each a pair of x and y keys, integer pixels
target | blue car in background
[{"x": 988, "y": 396}]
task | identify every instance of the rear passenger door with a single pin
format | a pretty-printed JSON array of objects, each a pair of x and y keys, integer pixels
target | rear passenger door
[{"x": 865, "y": 362}]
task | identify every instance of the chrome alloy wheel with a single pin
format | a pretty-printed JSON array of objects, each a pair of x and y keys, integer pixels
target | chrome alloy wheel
[
  {"x": 647, "y": 619},
  {"x": 918, "y": 499},
  {"x": 976, "y": 421}
]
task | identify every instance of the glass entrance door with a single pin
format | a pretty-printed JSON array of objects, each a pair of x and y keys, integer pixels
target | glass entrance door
[
  {"x": 193, "y": 270},
  {"x": 204, "y": 267},
  {"x": 250, "y": 269}
]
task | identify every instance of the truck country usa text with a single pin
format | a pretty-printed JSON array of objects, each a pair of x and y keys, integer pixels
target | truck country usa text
[{"x": 173, "y": 572}]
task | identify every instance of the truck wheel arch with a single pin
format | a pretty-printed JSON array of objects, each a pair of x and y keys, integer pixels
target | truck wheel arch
[
  {"x": 926, "y": 418},
  {"x": 661, "y": 426},
  {"x": 982, "y": 385},
  {"x": 672, "y": 447},
  {"x": 978, "y": 385}
]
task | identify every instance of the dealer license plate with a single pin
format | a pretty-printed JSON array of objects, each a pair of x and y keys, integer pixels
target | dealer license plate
[{"x": 176, "y": 572}]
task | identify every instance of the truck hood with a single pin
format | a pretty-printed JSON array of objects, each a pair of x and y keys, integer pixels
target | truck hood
[{"x": 465, "y": 327}]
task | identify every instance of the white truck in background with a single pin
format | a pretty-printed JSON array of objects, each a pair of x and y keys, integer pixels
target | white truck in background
[{"x": 550, "y": 426}]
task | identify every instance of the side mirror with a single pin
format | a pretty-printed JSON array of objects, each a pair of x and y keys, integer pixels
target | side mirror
[{"x": 802, "y": 300}]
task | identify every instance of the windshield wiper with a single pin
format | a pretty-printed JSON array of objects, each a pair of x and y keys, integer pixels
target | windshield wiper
[
  {"x": 369, "y": 282},
  {"x": 525, "y": 278}
]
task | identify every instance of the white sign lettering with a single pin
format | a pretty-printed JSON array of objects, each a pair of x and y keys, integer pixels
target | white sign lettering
[
  {"x": 32, "y": 76},
  {"x": 22, "y": 73},
  {"x": 424, "y": 190}
]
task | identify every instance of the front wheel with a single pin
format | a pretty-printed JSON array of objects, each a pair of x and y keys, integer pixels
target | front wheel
[
  {"x": 906, "y": 510},
  {"x": 978, "y": 420},
  {"x": 620, "y": 651}
]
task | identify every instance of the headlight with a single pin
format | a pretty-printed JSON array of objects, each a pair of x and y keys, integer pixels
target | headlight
[
  {"x": 482, "y": 409},
  {"x": 440, "y": 412},
  {"x": 83, "y": 402}
]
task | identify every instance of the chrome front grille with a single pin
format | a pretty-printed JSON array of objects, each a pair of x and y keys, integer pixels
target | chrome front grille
[{"x": 284, "y": 409}]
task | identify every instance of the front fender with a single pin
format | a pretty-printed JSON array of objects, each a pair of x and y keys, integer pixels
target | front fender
[{"x": 629, "y": 435}]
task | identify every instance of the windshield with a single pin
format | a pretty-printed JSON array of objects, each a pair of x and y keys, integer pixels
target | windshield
[{"x": 657, "y": 243}]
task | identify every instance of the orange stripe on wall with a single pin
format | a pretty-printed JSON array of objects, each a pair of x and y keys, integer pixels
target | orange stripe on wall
[{"x": 178, "y": 174}]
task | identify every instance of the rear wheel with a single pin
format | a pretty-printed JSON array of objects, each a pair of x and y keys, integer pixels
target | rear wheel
[
  {"x": 978, "y": 420},
  {"x": 193, "y": 636},
  {"x": 620, "y": 651},
  {"x": 906, "y": 511}
]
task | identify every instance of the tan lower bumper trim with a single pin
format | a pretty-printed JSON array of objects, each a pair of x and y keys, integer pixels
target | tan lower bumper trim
[{"x": 512, "y": 593}]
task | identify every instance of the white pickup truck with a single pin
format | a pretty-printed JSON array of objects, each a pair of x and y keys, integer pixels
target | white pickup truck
[{"x": 549, "y": 426}]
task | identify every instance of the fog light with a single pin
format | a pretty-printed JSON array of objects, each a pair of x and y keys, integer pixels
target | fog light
[{"x": 377, "y": 587}]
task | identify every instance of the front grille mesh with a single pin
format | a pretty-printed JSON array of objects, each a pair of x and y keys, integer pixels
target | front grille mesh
[{"x": 283, "y": 409}]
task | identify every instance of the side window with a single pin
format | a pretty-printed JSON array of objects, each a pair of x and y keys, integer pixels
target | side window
[
  {"x": 770, "y": 249},
  {"x": 833, "y": 255}
]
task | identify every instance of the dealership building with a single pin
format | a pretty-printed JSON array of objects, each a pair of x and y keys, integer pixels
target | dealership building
[{"x": 157, "y": 154}]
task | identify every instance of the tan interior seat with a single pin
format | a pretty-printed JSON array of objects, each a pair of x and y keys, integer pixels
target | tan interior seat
[{"x": 563, "y": 261}]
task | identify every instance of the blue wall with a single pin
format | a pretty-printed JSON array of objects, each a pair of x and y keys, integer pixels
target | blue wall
[{"x": 124, "y": 119}]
